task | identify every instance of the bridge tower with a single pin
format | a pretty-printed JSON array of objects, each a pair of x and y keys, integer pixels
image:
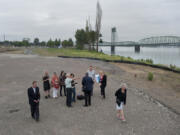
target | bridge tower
[
  {"x": 113, "y": 40},
  {"x": 137, "y": 48}
]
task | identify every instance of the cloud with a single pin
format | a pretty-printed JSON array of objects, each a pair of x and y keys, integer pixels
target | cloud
[{"x": 134, "y": 19}]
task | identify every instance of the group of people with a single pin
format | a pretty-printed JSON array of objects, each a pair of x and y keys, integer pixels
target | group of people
[
  {"x": 58, "y": 84},
  {"x": 67, "y": 82}
]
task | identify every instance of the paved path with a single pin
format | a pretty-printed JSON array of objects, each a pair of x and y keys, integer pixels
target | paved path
[{"x": 144, "y": 115}]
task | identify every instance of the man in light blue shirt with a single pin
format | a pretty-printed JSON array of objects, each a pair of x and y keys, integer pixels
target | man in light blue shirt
[{"x": 91, "y": 73}]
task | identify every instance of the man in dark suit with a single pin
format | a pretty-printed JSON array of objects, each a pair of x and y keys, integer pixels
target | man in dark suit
[
  {"x": 34, "y": 98},
  {"x": 87, "y": 83}
]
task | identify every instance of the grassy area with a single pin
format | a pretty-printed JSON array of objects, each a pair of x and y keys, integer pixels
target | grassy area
[
  {"x": 91, "y": 54},
  {"x": 82, "y": 53},
  {"x": 7, "y": 49}
]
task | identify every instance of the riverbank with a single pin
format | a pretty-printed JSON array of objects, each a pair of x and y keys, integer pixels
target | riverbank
[
  {"x": 74, "y": 53},
  {"x": 165, "y": 55}
]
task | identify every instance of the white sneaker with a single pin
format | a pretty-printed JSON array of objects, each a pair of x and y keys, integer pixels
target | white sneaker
[{"x": 124, "y": 120}]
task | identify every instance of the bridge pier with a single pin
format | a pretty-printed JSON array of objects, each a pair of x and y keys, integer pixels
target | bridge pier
[
  {"x": 112, "y": 49},
  {"x": 137, "y": 48}
]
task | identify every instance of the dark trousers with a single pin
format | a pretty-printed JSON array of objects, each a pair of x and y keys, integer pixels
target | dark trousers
[
  {"x": 103, "y": 91},
  {"x": 69, "y": 96},
  {"x": 62, "y": 87},
  {"x": 92, "y": 91},
  {"x": 35, "y": 111},
  {"x": 74, "y": 94},
  {"x": 87, "y": 96}
]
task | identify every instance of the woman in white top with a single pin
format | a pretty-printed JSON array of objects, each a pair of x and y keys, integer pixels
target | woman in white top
[{"x": 68, "y": 83}]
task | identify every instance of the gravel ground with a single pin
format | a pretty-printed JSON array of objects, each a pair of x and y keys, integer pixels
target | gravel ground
[{"x": 144, "y": 115}]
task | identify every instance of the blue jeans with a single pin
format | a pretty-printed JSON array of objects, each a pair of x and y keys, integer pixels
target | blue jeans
[{"x": 74, "y": 94}]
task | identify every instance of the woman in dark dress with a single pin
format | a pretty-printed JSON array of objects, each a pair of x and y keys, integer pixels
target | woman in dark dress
[
  {"x": 62, "y": 78},
  {"x": 103, "y": 82},
  {"x": 46, "y": 85},
  {"x": 121, "y": 101}
]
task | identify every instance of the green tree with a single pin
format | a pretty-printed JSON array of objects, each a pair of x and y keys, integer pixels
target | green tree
[
  {"x": 50, "y": 43},
  {"x": 101, "y": 41},
  {"x": 43, "y": 43},
  {"x": 81, "y": 38},
  {"x": 87, "y": 30},
  {"x": 18, "y": 43},
  {"x": 92, "y": 38},
  {"x": 36, "y": 41},
  {"x": 25, "y": 41},
  {"x": 70, "y": 42},
  {"x": 57, "y": 42},
  {"x": 86, "y": 36},
  {"x": 67, "y": 43}
]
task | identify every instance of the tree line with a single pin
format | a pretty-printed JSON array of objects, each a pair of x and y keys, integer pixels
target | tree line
[
  {"x": 86, "y": 38},
  {"x": 36, "y": 42}
]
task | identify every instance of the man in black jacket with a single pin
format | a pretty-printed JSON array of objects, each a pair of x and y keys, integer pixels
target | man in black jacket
[
  {"x": 87, "y": 83},
  {"x": 34, "y": 98}
]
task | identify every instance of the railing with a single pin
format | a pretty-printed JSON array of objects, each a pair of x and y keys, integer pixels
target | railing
[{"x": 137, "y": 44}]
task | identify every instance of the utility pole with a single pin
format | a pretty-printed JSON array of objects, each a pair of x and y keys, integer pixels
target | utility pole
[
  {"x": 113, "y": 40},
  {"x": 98, "y": 23},
  {"x": 4, "y": 37}
]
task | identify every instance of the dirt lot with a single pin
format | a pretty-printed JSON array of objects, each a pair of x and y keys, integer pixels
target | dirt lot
[
  {"x": 144, "y": 114},
  {"x": 165, "y": 86}
]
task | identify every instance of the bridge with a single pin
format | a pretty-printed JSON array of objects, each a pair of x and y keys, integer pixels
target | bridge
[
  {"x": 151, "y": 41},
  {"x": 127, "y": 43}
]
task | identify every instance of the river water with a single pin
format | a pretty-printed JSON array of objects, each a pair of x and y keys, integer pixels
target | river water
[{"x": 160, "y": 55}]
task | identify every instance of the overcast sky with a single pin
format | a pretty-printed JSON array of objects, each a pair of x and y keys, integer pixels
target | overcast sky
[{"x": 134, "y": 19}]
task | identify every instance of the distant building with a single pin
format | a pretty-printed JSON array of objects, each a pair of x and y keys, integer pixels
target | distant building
[{"x": 60, "y": 46}]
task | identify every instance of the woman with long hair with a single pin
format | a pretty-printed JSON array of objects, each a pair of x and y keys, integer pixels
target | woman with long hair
[
  {"x": 46, "y": 85},
  {"x": 62, "y": 79},
  {"x": 103, "y": 83}
]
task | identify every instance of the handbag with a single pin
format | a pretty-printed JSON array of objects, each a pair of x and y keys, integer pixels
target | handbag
[
  {"x": 80, "y": 97},
  {"x": 118, "y": 102}
]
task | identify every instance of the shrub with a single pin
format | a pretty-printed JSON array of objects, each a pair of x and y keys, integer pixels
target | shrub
[
  {"x": 122, "y": 58},
  {"x": 78, "y": 46},
  {"x": 172, "y": 66},
  {"x": 129, "y": 58},
  {"x": 150, "y": 76},
  {"x": 149, "y": 61}
]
